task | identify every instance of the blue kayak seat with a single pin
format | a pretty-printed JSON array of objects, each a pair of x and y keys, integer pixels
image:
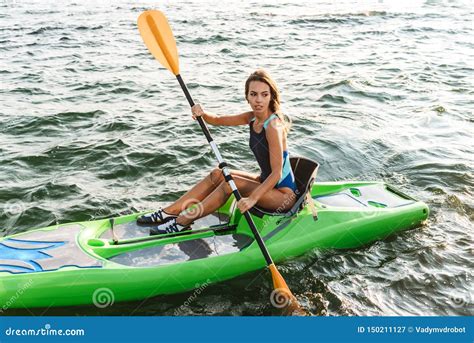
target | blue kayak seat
[{"x": 305, "y": 171}]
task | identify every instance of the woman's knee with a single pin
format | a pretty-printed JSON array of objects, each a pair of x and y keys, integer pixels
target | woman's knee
[
  {"x": 225, "y": 188},
  {"x": 215, "y": 177}
]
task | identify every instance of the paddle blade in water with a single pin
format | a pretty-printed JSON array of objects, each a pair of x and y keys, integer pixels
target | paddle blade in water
[
  {"x": 281, "y": 296},
  {"x": 159, "y": 39}
]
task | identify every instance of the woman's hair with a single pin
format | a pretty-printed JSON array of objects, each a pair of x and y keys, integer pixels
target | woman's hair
[{"x": 263, "y": 76}]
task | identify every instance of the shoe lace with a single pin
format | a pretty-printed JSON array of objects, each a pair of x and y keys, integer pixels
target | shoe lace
[
  {"x": 170, "y": 226},
  {"x": 158, "y": 215}
]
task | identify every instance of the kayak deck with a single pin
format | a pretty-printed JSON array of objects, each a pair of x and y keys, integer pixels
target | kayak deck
[
  {"x": 374, "y": 195},
  {"x": 41, "y": 251}
]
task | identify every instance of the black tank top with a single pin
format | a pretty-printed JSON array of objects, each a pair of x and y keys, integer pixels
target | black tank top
[{"x": 259, "y": 145}]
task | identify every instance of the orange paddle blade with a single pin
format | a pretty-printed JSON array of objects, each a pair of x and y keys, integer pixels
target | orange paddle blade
[
  {"x": 281, "y": 296},
  {"x": 159, "y": 39}
]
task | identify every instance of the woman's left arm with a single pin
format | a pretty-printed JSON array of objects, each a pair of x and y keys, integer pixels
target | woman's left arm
[{"x": 274, "y": 134}]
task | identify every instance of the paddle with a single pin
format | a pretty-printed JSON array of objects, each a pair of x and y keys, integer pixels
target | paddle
[{"x": 159, "y": 39}]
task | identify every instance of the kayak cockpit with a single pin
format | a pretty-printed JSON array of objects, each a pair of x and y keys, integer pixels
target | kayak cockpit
[
  {"x": 184, "y": 251},
  {"x": 130, "y": 244}
]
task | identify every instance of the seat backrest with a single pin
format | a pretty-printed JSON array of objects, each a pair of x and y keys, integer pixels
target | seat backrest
[{"x": 305, "y": 171}]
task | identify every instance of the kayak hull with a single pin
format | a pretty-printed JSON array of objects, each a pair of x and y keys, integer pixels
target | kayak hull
[{"x": 79, "y": 263}]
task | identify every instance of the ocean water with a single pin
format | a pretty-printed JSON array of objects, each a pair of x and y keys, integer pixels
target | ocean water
[{"x": 91, "y": 126}]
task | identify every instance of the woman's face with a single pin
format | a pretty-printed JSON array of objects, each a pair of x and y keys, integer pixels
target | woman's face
[{"x": 259, "y": 97}]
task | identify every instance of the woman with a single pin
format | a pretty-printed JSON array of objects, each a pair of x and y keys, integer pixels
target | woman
[{"x": 273, "y": 189}]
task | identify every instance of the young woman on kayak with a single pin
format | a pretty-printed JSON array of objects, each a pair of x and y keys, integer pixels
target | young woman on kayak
[{"x": 273, "y": 189}]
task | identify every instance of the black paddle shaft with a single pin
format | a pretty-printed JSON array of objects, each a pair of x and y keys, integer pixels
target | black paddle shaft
[{"x": 227, "y": 175}]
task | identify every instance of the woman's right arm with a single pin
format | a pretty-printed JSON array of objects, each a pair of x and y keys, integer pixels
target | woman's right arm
[{"x": 227, "y": 120}]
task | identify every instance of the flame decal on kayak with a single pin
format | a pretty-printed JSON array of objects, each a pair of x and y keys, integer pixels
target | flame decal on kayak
[{"x": 21, "y": 256}]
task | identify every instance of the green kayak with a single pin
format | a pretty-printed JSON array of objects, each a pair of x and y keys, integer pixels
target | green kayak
[{"x": 116, "y": 260}]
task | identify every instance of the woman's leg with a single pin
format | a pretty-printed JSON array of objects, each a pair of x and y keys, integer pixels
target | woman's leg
[
  {"x": 196, "y": 194},
  {"x": 276, "y": 199},
  {"x": 202, "y": 189},
  {"x": 213, "y": 201}
]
